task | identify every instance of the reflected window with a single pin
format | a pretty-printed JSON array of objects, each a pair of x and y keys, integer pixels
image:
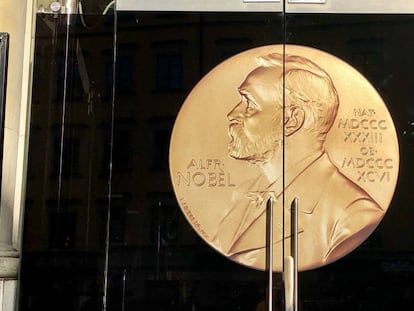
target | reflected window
[
  {"x": 161, "y": 143},
  {"x": 161, "y": 134},
  {"x": 71, "y": 83},
  {"x": 106, "y": 151},
  {"x": 119, "y": 206},
  {"x": 62, "y": 224},
  {"x": 125, "y": 70},
  {"x": 125, "y": 75},
  {"x": 122, "y": 151},
  {"x": 169, "y": 64},
  {"x": 66, "y": 157},
  {"x": 108, "y": 65},
  {"x": 169, "y": 72}
]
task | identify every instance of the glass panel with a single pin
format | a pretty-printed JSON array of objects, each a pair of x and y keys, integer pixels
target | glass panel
[
  {"x": 369, "y": 61},
  {"x": 162, "y": 254},
  {"x": 65, "y": 229}
]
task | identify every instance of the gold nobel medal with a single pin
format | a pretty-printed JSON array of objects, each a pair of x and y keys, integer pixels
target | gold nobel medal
[{"x": 284, "y": 123}]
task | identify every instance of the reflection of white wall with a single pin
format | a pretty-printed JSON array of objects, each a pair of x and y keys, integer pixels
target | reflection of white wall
[
  {"x": 302, "y": 6},
  {"x": 209, "y": 5},
  {"x": 19, "y": 25},
  {"x": 349, "y": 6}
]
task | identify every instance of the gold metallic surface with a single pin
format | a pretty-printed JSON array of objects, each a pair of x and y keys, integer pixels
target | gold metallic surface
[{"x": 336, "y": 149}]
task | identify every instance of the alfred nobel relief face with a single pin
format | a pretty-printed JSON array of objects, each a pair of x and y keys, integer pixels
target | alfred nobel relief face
[{"x": 255, "y": 122}]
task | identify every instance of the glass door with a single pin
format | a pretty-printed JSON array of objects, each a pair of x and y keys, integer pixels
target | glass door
[
  {"x": 66, "y": 211},
  {"x": 360, "y": 195},
  {"x": 181, "y": 80}
]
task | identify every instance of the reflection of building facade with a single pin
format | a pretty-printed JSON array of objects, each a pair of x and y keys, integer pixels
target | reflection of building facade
[
  {"x": 154, "y": 256},
  {"x": 68, "y": 181}
]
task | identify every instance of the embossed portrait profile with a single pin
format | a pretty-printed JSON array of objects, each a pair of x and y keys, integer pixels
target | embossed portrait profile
[{"x": 301, "y": 124}]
